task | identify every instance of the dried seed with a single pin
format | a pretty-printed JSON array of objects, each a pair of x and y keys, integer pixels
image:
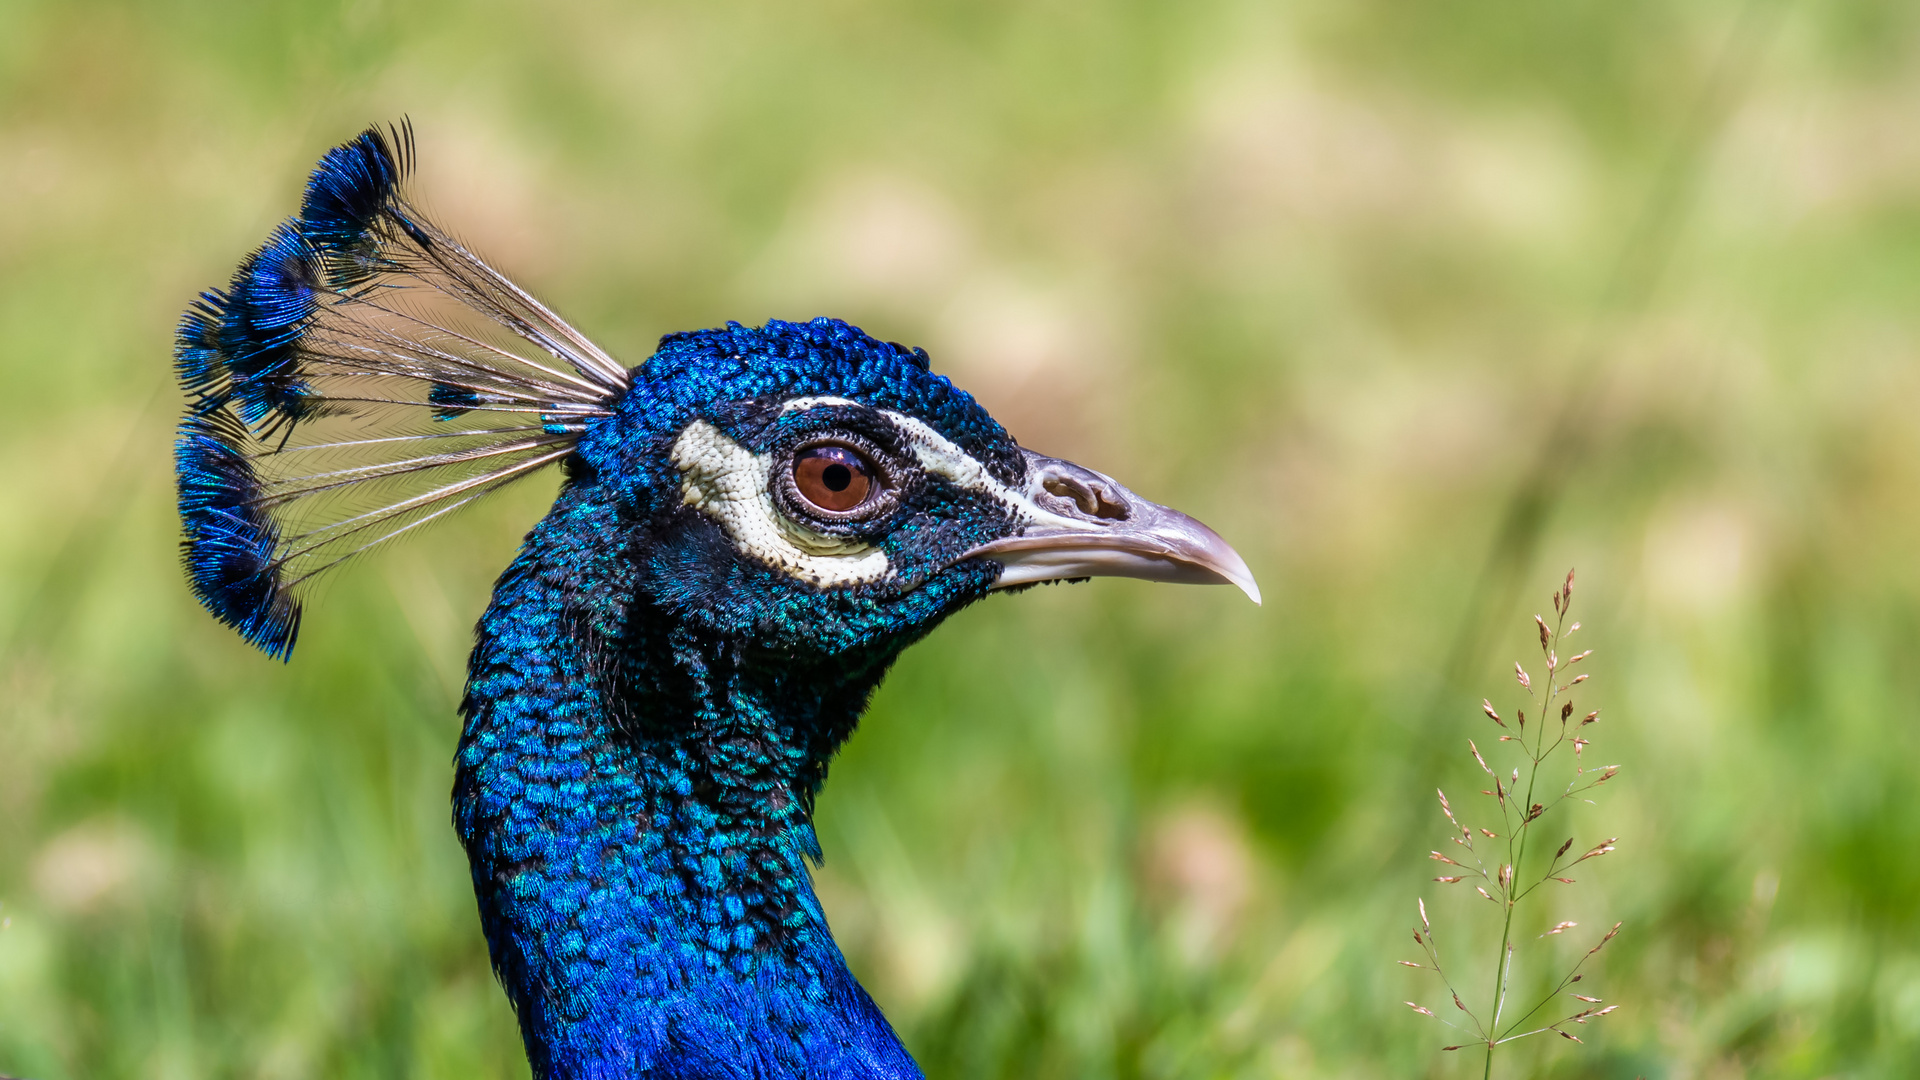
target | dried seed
[
  {"x": 1491, "y": 835},
  {"x": 1446, "y": 880},
  {"x": 1487, "y": 707},
  {"x": 1521, "y": 674},
  {"x": 1582, "y": 997},
  {"x": 1457, "y": 1003},
  {"x": 1446, "y": 1048},
  {"x": 1483, "y": 892},
  {"x": 1564, "y": 848},
  {"x": 1604, "y": 940},
  {"x": 1568, "y": 1035},
  {"x": 1478, "y": 758},
  {"x": 1560, "y": 928},
  {"x": 1545, "y": 634},
  {"x": 1535, "y": 811},
  {"x": 1606, "y": 1010},
  {"x": 1437, "y": 857},
  {"x": 1566, "y": 711},
  {"x": 1423, "y": 915},
  {"x": 1417, "y": 939},
  {"x": 1582, "y": 656},
  {"x": 1591, "y": 717},
  {"x": 1421, "y": 1009},
  {"x": 1409, "y": 963},
  {"x": 1599, "y": 849},
  {"x": 1564, "y": 880}
]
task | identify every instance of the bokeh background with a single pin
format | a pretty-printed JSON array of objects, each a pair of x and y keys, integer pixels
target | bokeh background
[{"x": 1419, "y": 304}]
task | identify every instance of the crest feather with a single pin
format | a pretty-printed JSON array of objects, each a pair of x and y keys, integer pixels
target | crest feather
[{"x": 362, "y": 374}]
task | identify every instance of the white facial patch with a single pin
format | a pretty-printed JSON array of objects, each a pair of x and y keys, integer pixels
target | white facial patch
[{"x": 729, "y": 483}]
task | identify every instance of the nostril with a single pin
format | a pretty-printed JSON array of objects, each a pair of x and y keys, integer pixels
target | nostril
[{"x": 1094, "y": 500}]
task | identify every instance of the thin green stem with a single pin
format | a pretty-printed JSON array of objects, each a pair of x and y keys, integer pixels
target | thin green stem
[{"x": 1517, "y": 837}]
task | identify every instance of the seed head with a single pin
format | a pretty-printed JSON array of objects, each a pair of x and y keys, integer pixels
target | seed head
[
  {"x": 1546, "y": 635},
  {"x": 1421, "y": 1009},
  {"x": 1520, "y": 673},
  {"x": 1487, "y": 706}
]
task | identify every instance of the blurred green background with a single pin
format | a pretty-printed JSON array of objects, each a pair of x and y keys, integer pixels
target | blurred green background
[{"x": 1418, "y": 303}]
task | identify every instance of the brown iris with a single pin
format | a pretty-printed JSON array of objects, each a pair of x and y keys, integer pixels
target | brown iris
[{"x": 832, "y": 478}]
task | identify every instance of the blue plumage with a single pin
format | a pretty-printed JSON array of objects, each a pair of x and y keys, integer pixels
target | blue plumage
[{"x": 755, "y": 522}]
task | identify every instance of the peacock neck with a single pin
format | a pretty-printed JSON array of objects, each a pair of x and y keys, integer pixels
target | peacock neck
[{"x": 636, "y": 805}]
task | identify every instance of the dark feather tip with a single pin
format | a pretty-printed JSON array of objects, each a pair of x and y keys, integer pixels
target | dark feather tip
[
  {"x": 197, "y": 359},
  {"x": 451, "y": 402},
  {"x": 267, "y": 310},
  {"x": 231, "y": 542},
  {"x": 349, "y": 189}
]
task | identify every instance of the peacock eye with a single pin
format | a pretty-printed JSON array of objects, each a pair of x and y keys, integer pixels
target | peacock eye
[{"x": 833, "y": 478}]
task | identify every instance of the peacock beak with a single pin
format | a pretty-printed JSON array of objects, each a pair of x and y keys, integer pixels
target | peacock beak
[{"x": 1088, "y": 525}]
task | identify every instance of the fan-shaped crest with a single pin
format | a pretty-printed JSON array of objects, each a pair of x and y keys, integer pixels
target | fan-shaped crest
[{"x": 362, "y": 374}]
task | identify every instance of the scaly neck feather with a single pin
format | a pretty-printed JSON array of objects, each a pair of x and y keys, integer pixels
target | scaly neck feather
[{"x": 636, "y": 805}]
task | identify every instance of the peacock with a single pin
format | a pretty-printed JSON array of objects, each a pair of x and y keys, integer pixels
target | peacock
[{"x": 752, "y": 524}]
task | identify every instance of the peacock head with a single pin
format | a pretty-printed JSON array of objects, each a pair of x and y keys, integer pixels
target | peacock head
[
  {"x": 809, "y": 488},
  {"x": 797, "y": 487}
]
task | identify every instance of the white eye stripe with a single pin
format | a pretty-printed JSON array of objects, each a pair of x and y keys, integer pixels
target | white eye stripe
[
  {"x": 729, "y": 483},
  {"x": 939, "y": 455}
]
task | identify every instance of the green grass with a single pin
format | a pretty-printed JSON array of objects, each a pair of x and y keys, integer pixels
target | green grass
[{"x": 1417, "y": 304}]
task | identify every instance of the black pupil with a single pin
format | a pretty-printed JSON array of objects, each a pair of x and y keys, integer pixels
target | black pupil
[{"x": 836, "y": 477}]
